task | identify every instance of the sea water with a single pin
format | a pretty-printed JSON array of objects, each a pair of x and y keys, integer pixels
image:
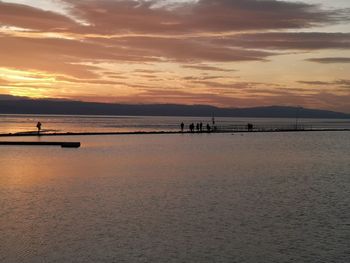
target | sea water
[
  {"x": 69, "y": 123},
  {"x": 254, "y": 197}
]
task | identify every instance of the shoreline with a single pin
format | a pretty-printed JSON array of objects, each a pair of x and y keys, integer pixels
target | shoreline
[{"x": 35, "y": 134}]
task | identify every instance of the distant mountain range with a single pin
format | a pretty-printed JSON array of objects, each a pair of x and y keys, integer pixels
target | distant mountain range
[{"x": 22, "y": 105}]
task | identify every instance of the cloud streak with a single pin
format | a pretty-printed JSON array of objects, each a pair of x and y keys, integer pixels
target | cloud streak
[
  {"x": 201, "y": 16},
  {"x": 331, "y": 60},
  {"x": 289, "y": 41}
]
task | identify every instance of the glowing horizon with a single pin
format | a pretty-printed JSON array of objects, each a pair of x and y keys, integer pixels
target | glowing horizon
[{"x": 225, "y": 53}]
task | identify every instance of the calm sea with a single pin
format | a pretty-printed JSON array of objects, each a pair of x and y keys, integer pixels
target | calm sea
[
  {"x": 253, "y": 197},
  {"x": 64, "y": 123}
]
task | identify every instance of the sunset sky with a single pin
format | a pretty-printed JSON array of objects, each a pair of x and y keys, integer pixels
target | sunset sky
[{"x": 228, "y": 53}]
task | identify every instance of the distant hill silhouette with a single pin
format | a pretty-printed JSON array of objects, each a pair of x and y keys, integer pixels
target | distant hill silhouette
[{"x": 21, "y": 105}]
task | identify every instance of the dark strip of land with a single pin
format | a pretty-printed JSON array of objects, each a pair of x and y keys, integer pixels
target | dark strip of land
[
  {"x": 26, "y": 134},
  {"x": 62, "y": 144}
]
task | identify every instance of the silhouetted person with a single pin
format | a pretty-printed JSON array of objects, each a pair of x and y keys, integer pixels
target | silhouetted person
[
  {"x": 201, "y": 127},
  {"x": 191, "y": 127},
  {"x": 208, "y": 127},
  {"x": 197, "y": 127},
  {"x": 38, "y": 125},
  {"x": 182, "y": 126},
  {"x": 250, "y": 127},
  {"x": 213, "y": 123}
]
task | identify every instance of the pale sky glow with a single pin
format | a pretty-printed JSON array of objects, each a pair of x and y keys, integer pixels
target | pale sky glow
[
  {"x": 227, "y": 53},
  {"x": 48, "y": 5}
]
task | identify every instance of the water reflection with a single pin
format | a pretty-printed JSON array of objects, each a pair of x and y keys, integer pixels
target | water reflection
[{"x": 181, "y": 198}]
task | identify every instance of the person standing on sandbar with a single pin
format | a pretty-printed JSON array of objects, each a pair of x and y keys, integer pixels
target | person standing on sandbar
[{"x": 38, "y": 125}]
